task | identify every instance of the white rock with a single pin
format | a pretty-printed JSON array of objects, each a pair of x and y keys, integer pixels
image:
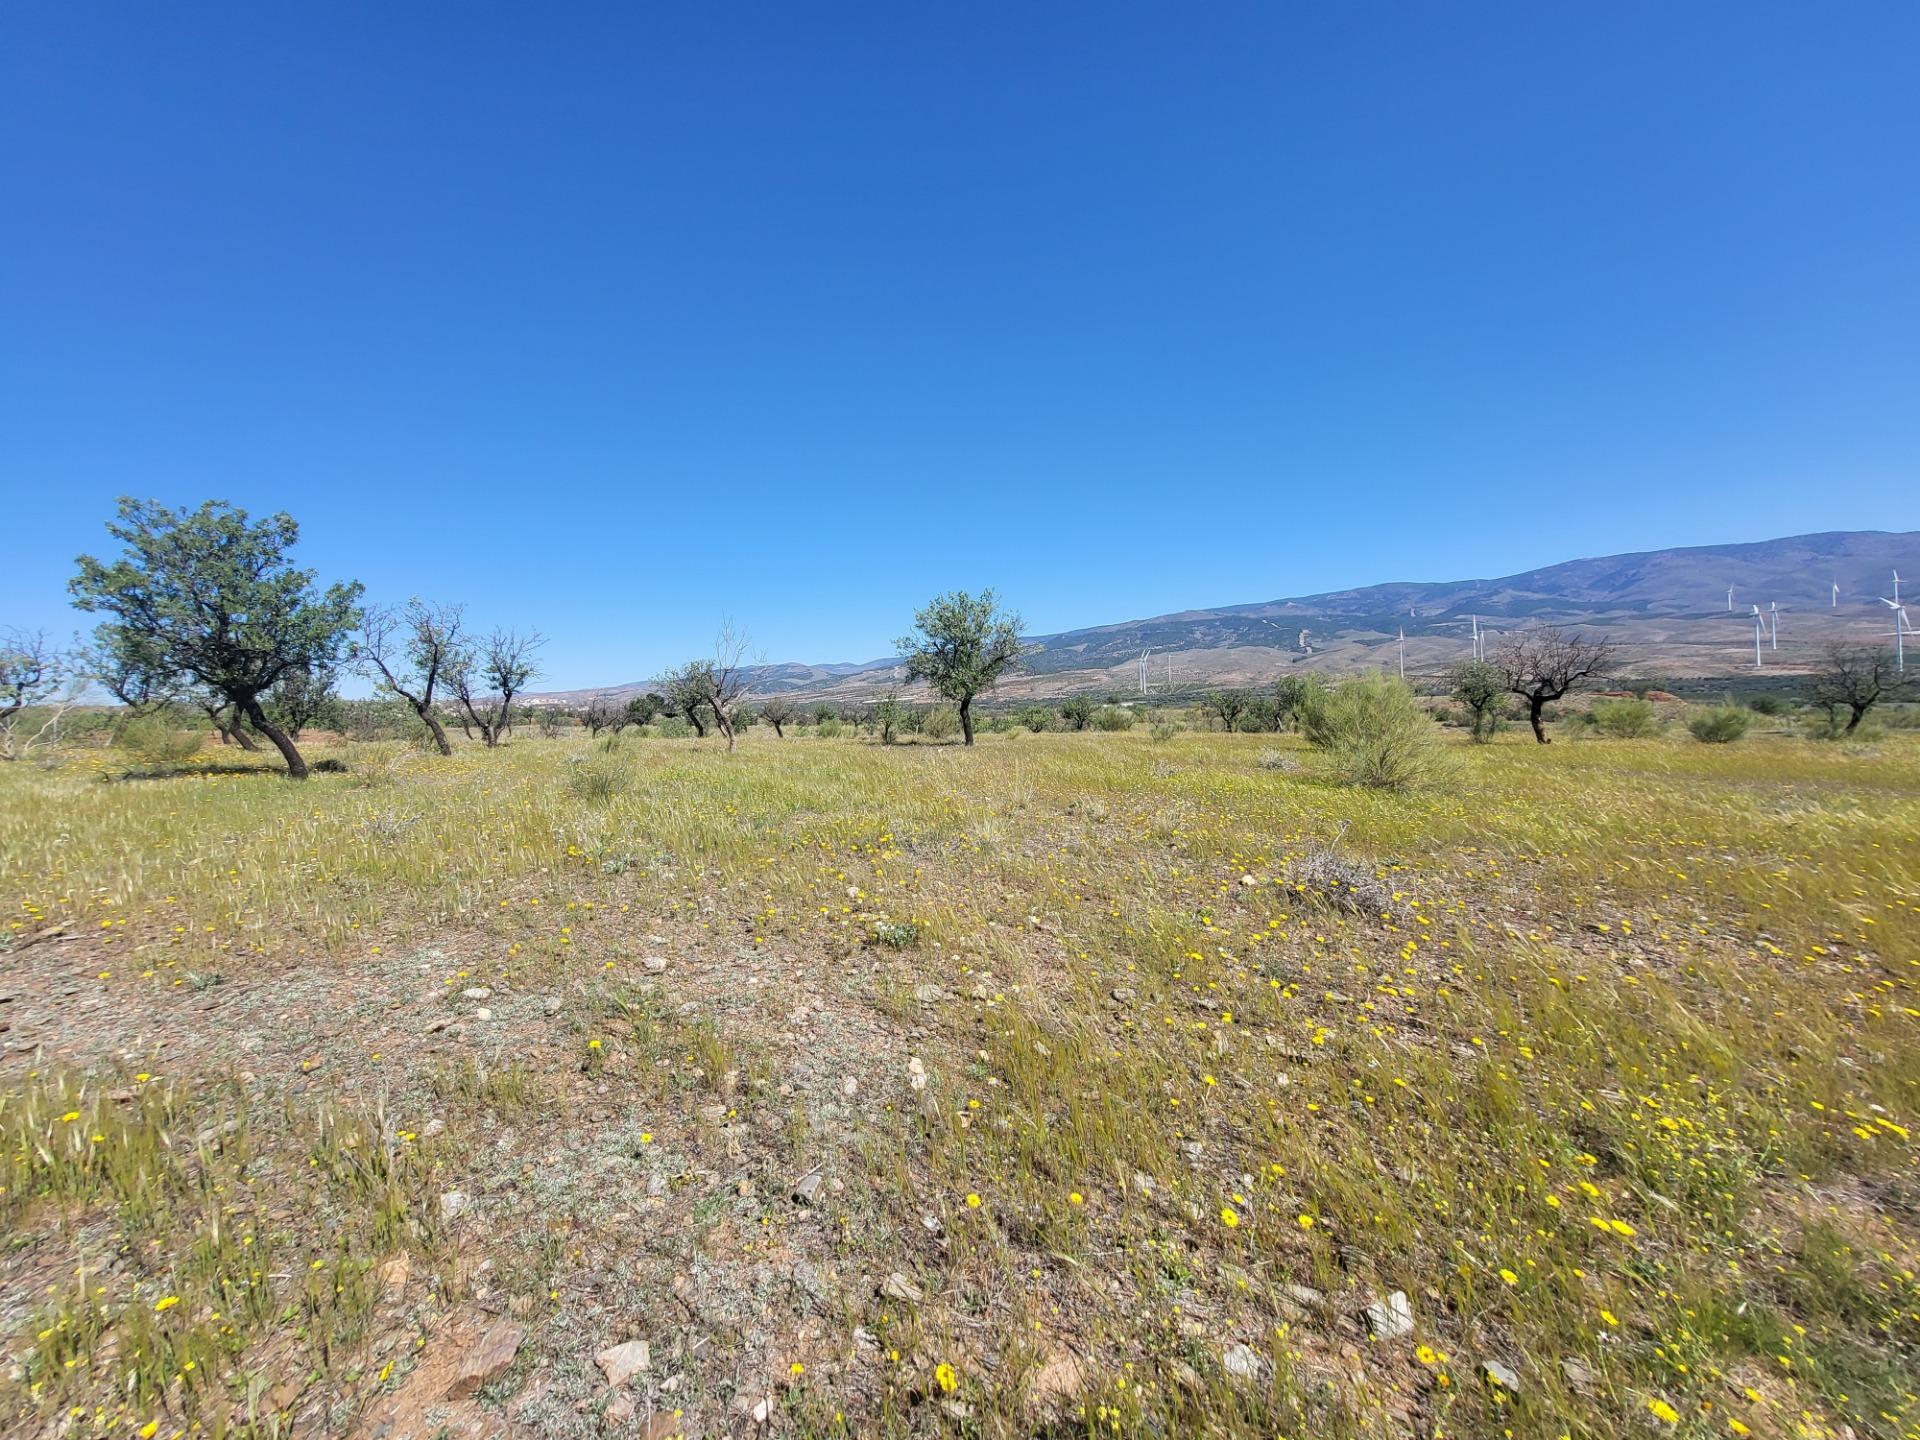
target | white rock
[
  {"x": 620, "y": 1363},
  {"x": 1241, "y": 1362},
  {"x": 476, "y": 992},
  {"x": 1392, "y": 1317},
  {"x": 453, "y": 1203},
  {"x": 655, "y": 964}
]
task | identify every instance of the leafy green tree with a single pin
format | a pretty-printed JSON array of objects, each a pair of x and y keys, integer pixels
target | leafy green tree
[
  {"x": 963, "y": 644},
  {"x": 888, "y": 717},
  {"x": 304, "y": 697},
  {"x": 1076, "y": 711},
  {"x": 1036, "y": 718},
  {"x": 1227, "y": 706},
  {"x": 212, "y": 597},
  {"x": 1293, "y": 694},
  {"x": 1482, "y": 688},
  {"x": 645, "y": 709}
]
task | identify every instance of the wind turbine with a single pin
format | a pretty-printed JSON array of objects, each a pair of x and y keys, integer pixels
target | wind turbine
[
  {"x": 1773, "y": 621},
  {"x": 1836, "y": 595},
  {"x": 1896, "y": 587},
  {"x": 1403, "y": 652},
  {"x": 1901, "y": 629},
  {"x": 1729, "y": 599},
  {"x": 1759, "y": 628},
  {"x": 1478, "y": 654}
]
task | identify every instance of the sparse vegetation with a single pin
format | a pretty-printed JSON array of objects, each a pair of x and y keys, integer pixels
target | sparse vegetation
[
  {"x": 1719, "y": 724},
  {"x": 1376, "y": 733}
]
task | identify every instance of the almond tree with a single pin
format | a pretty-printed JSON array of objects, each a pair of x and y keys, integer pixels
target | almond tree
[
  {"x": 962, "y": 645},
  {"x": 497, "y": 671},
  {"x": 717, "y": 685},
  {"x": 415, "y": 652},
  {"x": 37, "y": 681},
  {"x": 1854, "y": 678},
  {"x": 1542, "y": 664},
  {"x": 208, "y": 596},
  {"x": 778, "y": 712}
]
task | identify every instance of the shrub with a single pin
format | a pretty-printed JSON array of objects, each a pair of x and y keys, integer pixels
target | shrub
[
  {"x": 1036, "y": 718},
  {"x": 670, "y": 727},
  {"x": 1377, "y": 733},
  {"x": 1625, "y": 719},
  {"x": 1323, "y": 875},
  {"x": 599, "y": 779},
  {"x": 158, "y": 739},
  {"x": 1076, "y": 711},
  {"x": 896, "y": 934},
  {"x": 1767, "y": 705},
  {"x": 828, "y": 727},
  {"x": 1162, "y": 731},
  {"x": 1113, "y": 717},
  {"x": 1719, "y": 724},
  {"x": 1271, "y": 759},
  {"x": 942, "y": 723}
]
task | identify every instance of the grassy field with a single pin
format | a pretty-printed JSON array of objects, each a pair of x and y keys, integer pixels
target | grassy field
[{"x": 1076, "y": 1084}]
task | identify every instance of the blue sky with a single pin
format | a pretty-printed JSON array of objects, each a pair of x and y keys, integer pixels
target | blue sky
[{"x": 613, "y": 319}]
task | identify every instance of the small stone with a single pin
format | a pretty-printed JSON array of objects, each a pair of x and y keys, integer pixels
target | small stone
[
  {"x": 483, "y": 1013},
  {"x": 850, "y": 1087},
  {"x": 655, "y": 964},
  {"x": 1391, "y": 1318},
  {"x": 620, "y": 1409},
  {"x": 927, "y": 993},
  {"x": 762, "y": 1410},
  {"x": 433, "y": 1127},
  {"x": 898, "y": 1287},
  {"x": 1502, "y": 1375},
  {"x": 712, "y": 1114},
  {"x": 488, "y": 1358},
  {"x": 1579, "y": 1374},
  {"x": 476, "y": 992},
  {"x": 1121, "y": 994},
  {"x": 1304, "y": 1295},
  {"x": 551, "y": 1005},
  {"x": 620, "y": 1363},
  {"x": 453, "y": 1204},
  {"x": 806, "y": 1188},
  {"x": 1241, "y": 1362}
]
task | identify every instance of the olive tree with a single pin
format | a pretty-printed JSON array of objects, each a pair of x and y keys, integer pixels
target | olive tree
[
  {"x": 1227, "y": 706},
  {"x": 962, "y": 644},
  {"x": 210, "y": 597},
  {"x": 415, "y": 652},
  {"x": 1542, "y": 664}
]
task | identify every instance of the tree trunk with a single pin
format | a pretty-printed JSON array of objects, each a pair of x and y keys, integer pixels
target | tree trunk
[
  {"x": 1534, "y": 706},
  {"x": 240, "y": 736},
  {"x": 966, "y": 719},
  {"x": 434, "y": 727},
  {"x": 296, "y": 764},
  {"x": 726, "y": 729},
  {"x": 778, "y": 733},
  {"x": 1859, "y": 714}
]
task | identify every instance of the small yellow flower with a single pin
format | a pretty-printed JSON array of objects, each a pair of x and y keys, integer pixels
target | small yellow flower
[
  {"x": 1076, "y": 1198},
  {"x": 796, "y": 1368},
  {"x": 1425, "y": 1354},
  {"x": 945, "y": 1378},
  {"x": 973, "y": 1202},
  {"x": 1229, "y": 1217},
  {"x": 1663, "y": 1411},
  {"x": 1509, "y": 1277},
  {"x": 1306, "y": 1222},
  {"x": 165, "y": 1303}
]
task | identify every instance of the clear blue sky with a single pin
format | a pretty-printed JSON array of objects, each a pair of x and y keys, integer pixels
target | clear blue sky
[{"x": 612, "y": 319}]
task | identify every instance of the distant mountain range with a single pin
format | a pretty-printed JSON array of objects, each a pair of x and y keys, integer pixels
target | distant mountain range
[{"x": 1667, "y": 611}]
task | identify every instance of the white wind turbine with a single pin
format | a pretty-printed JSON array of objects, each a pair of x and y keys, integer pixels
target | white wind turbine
[
  {"x": 1729, "y": 599},
  {"x": 1773, "y": 621},
  {"x": 1902, "y": 628},
  {"x": 1835, "y": 604},
  {"x": 1759, "y": 629}
]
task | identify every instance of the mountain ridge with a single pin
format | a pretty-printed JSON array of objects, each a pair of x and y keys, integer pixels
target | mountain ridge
[{"x": 1666, "y": 610}]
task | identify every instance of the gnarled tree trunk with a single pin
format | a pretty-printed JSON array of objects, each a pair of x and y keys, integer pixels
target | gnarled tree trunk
[{"x": 296, "y": 763}]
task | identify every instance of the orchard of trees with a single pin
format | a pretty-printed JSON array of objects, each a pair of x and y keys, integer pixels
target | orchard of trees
[{"x": 205, "y": 612}]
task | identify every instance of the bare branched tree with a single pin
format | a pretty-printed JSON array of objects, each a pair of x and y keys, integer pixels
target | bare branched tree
[
  {"x": 497, "y": 671},
  {"x": 778, "y": 712},
  {"x": 605, "y": 713},
  {"x": 1854, "y": 679},
  {"x": 416, "y": 652},
  {"x": 38, "y": 686},
  {"x": 1542, "y": 664}
]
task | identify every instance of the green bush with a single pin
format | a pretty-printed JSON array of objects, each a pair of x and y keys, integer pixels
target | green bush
[
  {"x": 1036, "y": 718},
  {"x": 942, "y": 723},
  {"x": 1625, "y": 719},
  {"x": 1767, "y": 705},
  {"x": 828, "y": 727},
  {"x": 669, "y": 727},
  {"x": 1377, "y": 733},
  {"x": 1113, "y": 717},
  {"x": 1076, "y": 711},
  {"x": 1161, "y": 731},
  {"x": 1719, "y": 724},
  {"x": 598, "y": 779},
  {"x": 159, "y": 739}
]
